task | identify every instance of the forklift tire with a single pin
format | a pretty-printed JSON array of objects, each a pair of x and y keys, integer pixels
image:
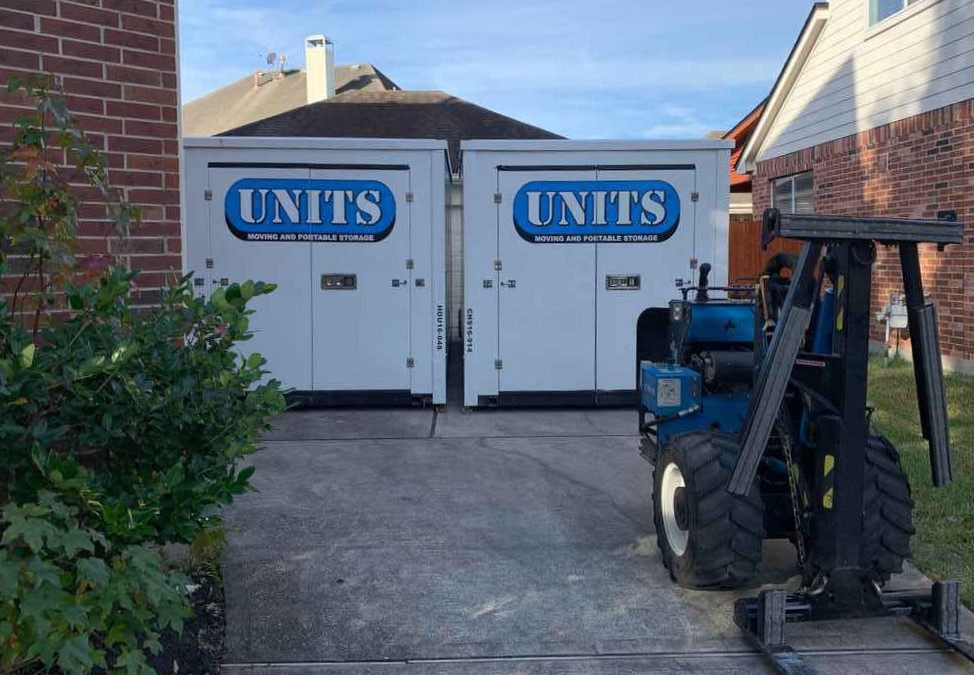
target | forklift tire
[
  {"x": 708, "y": 537},
  {"x": 887, "y": 522}
]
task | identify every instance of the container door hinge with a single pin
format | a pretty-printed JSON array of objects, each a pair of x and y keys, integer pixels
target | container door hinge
[
  {"x": 694, "y": 196},
  {"x": 498, "y": 266},
  {"x": 208, "y": 195},
  {"x": 498, "y": 198},
  {"x": 410, "y": 362},
  {"x": 499, "y": 364},
  {"x": 409, "y": 196},
  {"x": 409, "y": 263}
]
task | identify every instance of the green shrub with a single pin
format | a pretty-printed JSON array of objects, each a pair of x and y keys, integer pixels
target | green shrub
[
  {"x": 121, "y": 429},
  {"x": 145, "y": 413},
  {"x": 68, "y": 597}
]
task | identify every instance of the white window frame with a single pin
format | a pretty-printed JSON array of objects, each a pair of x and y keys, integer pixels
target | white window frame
[
  {"x": 872, "y": 10},
  {"x": 790, "y": 179}
]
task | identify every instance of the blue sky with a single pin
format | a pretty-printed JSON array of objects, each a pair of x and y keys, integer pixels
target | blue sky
[{"x": 584, "y": 69}]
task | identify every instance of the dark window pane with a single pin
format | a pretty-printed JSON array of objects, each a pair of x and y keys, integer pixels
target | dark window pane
[
  {"x": 883, "y": 8},
  {"x": 804, "y": 193},
  {"x": 782, "y": 195}
]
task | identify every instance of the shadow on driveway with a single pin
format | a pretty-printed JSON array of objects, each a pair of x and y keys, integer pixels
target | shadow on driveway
[{"x": 488, "y": 542}]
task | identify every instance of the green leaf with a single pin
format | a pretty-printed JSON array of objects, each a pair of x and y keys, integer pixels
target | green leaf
[
  {"x": 119, "y": 633},
  {"x": 9, "y": 576},
  {"x": 75, "y": 615},
  {"x": 245, "y": 474},
  {"x": 27, "y": 355},
  {"x": 76, "y": 540},
  {"x": 132, "y": 661},
  {"x": 233, "y": 295},
  {"x": 93, "y": 570},
  {"x": 75, "y": 656},
  {"x": 32, "y": 532},
  {"x": 44, "y": 572},
  {"x": 247, "y": 290}
]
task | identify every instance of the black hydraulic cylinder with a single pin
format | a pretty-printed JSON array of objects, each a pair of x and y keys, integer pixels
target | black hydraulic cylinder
[
  {"x": 775, "y": 372},
  {"x": 927, "y": 367}
]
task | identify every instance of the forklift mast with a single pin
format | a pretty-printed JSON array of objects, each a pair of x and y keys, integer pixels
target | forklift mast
[
  {"x": 851, "y": 243},
  {"x": 837, "y": 381}
]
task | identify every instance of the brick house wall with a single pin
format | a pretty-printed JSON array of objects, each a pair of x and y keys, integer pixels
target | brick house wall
[
  {"x": 117, "y": 63},
  {"x": 911, "y": 168}
]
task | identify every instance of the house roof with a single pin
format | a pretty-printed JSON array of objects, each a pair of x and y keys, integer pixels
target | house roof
[
  {"x": 241, "y": 103},
  {"x": 395, "y": 114},
  {"x": 740, "y": 134},
  {"x": 782, "y": 87}
]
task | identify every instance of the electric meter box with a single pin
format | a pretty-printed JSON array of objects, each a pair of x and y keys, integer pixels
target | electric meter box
[
  {"x": 568, "y": 245},
  {"x": 352, "y": 232}
]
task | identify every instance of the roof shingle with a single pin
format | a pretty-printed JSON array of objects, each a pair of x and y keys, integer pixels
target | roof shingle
[
  {"x": 241, "y": 103},
  {"x": 394, "y": 114}
]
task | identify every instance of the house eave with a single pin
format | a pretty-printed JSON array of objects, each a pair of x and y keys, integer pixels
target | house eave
[{"x": 807, "y": 39}]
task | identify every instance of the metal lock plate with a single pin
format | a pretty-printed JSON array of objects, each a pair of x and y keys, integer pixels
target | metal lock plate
[
  {"x": 339, "y": 282},
  {"x": 622, "y": 282}
]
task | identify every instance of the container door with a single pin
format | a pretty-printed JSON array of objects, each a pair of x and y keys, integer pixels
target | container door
[
  {"x": 545, "y": 285},
  {"x": 362, "y": 280},
  {"x": 642, "y": 272},
  {"x": 245, "y": 243}
]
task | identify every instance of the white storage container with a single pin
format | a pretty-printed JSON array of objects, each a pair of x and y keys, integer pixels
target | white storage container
[
  {"x": 352, "y": 231},
  {"x": 566, "y": 243}
]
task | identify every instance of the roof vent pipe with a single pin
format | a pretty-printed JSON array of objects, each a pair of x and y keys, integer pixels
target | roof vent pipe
[{"x": 319, "y": 54}]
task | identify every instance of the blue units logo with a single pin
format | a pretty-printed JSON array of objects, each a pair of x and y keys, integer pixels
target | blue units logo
[
  {"x": 603, "y": 212},
  {"x": 265, "y": 209}
]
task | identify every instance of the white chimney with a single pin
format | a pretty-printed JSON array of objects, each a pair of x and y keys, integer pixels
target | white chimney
[{"x": 319, "y": 54}]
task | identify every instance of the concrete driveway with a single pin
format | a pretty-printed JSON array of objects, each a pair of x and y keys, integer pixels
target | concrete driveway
[{"x": 400, "y": 541}]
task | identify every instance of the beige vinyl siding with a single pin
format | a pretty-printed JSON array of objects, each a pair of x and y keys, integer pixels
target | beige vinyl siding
[{"x": 859, "y": 77}]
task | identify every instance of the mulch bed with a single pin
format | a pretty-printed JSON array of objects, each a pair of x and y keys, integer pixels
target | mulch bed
[{"x": 199, "y": 649}]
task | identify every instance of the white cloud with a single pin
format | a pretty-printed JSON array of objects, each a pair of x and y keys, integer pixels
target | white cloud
[
  {"x": 677, "y": 121},
  {"x": 616, "y": 68}
]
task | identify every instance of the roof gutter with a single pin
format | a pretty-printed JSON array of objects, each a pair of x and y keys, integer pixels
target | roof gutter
[{"x": 811, "y": 31}]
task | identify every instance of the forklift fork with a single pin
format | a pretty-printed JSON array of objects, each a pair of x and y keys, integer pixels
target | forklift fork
[{"x": 763, "y": 620}]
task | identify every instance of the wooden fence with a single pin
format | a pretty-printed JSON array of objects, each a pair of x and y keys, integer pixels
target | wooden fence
[{"x": 746, "y": 257}]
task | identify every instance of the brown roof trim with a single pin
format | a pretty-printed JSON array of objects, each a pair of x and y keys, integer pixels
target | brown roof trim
[{"x": 749, "y": 120}]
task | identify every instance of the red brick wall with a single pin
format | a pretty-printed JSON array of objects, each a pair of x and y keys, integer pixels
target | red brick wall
[
  {"x": 117, "y": 62},
  {"x": 912, "y": 168}
]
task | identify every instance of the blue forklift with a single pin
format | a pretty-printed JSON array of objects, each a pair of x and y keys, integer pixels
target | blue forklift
[{"x": 757, "y": 426}]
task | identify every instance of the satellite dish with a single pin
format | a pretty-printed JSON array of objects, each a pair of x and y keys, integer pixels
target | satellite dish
[{"x": 271, "y": 58}]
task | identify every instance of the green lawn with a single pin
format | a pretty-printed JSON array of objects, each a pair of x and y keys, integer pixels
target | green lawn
[{"x": 944, "y": 517}]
